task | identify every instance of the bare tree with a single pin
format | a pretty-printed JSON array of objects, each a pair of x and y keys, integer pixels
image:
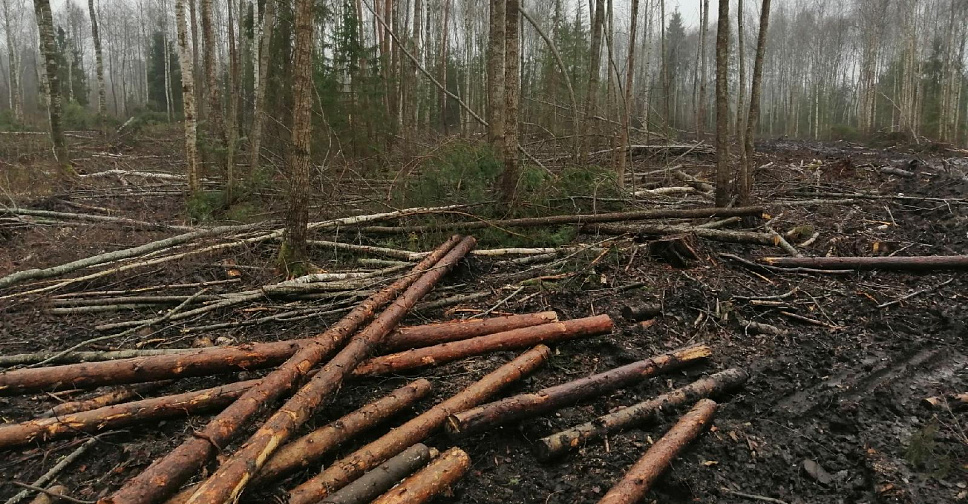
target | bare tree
[
  {"x": 216, "y": 126},
  {"x": 746, "y": 166},
  {"x": 496, "y": 75},
  {"x": 629, "y": 81},
  {"x": 233, "y": 108},
  {"x": 741, "y": 82},
  {"x": 512, "y": 93},
  {"x": 722, "y": 105},
  {"x": 102, "y": 101},
  {"x": 594, "y": 68},
  {"x": 48, "y": 49},
  {"x": 13, "y": 60},
  {"x": 261, "y": 71},
  {"x": 188, "y": 98}
]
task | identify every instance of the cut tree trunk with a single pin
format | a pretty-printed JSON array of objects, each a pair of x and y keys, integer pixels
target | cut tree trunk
[
  {"x": 120, "y": 415},
  {"x": 624, "y": 418},
  {"x": 639, "y": 312},
  {"x": 549, "y": 399},
  {"x": 383, "y": 477},
  {"x": 637, "y": 481},
  {"x": 912, "y": 263},
  {"x": 429, "y": 481},
  {"x": 249, "y": 356},
  {"x": 671, "y": 213},
  {"x": 160, "y": 480},
  {"x": 517, "y": 338},
  {"x": 226, "y": 483},
  {"x": 416, "y": 430},
  {"x": 120, "y": 395}
]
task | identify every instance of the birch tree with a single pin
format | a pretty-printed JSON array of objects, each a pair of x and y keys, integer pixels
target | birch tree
[{"x": 48, "y": 50}]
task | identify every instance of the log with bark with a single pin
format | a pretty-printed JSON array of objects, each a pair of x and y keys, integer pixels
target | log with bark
[
  {"x": 641, "y": 311},
  {"x": 722, "y": 235},
  {"x": 163, "y": 478},
  {"x": 671, "y": 213},
  {"x": 228, "y": 481},
  {"x": 639, "y": 479},
  {"x": 174, "y": 363},
  {"x": 416, "y": 430},
  {"x": 116, "y": 396},
  {"x": 710, "y": 386},
  {"x": 429, "y": 481},
  {"x": 549, "y": 399},
  {"x": 383, "y": 477},
  {"x": 517, "y": 338},
  {"x": 896, "y": 263}
]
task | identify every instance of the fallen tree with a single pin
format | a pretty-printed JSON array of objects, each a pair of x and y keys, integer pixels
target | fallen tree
[
  {"x": 347, "y": 469},
  {"x": 901, "y": 263},
  {"x": 709, "y": 386},
  {"x": 429, "y": 481},
  {"x": 517, "y": 338},
  {"x": 383, "y": 477},
  {"x": 722, "y": 235},
  {"x": 548, "y": 399},
  {"x": 640, "y": 477}
]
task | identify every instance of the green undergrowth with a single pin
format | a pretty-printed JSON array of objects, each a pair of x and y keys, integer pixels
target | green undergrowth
[{"x": 468, "y": 174}]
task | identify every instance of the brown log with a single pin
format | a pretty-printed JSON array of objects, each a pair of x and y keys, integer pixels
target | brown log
[
  {"x": 642, "y": 311},
  {"x": 429, "y": 481},
  {"x": 406, "y": 338},
  {"x": 120, "y": 415},
  {"x": 163, "y": 477},
  {"x": 517, "y": 338},
  {"x": 721, "y": 235},
  {"x": 119, "y": 395},
  {"x": 665, "y": 213},
  {"x": 248, "y": 356},
  {"x": 897, "y": 263},
  {"x": 709, "y": 386},
  {"x": 416, "y": 430},
  {"x": 637, "y": 481},
  {"x": 954, "y": 401},
  {"x": 383, "y": 477},
  {"x": 523, "y": 406},
  {"x": 228, "y": 481}
]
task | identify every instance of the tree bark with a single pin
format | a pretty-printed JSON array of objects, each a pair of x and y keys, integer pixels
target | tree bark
[
  {"x": 625, "y": 153},
  {"x": 232, "y": 126},
  {"x": 293, "y": 250},
  {"x": 382, "y": 478},
  {"x": 703, "y": 30},
  {"x": 188, "y": 99},
  {"x": 429, "y": 481},
  {"x": 116, "y": 396},
  {"x": 512, "y": 93},
  {"x": 165, "y": 475},
  {"x": 894, "y": 263},
  {"x": 406, "y": 338},
  {"x": 741, "y": 82},
  {"x": 549, "y": 399},
  {"x": 216, "y": 127},
  {"x": 636, "y": 414},
  {"x": 102, "y": 103},
  {"x": 495, "y": 77},
  {"x": 639, "y": 479},
  {"x": 517, "y": 338},
  {"x": 722, "y": 105},
  {"x": 594, "y": 68},
  {"x": 226, "y": 483},
  {"x": 13, "y": 61},
  {"x": 260, "y": 85},
  {"x": 746, "y": 168},
  {"x": 416, "y": 430},
  {"x": 48, "y": 50}
]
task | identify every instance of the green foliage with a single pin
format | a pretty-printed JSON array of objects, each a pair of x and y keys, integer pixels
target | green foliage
[
  {"x": 70, "y": 69},
  {"x": 204, "y": 206},
  {"x": 460, "y": 173},
  {"x": 76, "y": 117},
  {"x": 926, "y": 454},
  {"x": 9, "y": 123},
  {"x": 844, "y": 132},
  {"x": 157, "y": 97}
]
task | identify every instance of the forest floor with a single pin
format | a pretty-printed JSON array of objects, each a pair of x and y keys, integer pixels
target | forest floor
[{"x": 843, "y": 393}]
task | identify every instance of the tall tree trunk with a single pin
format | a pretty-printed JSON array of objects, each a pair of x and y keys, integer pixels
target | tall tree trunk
[
  {"x": 216, "y": 126},
  {"x": 722, "y": 105},
  {"x": 169, "y": 106},
  {"x": 629, "y": 81},
  {"x": 48, "y": 49},
  {"x": 233, "y": 108},
  {"x": 741, "y": 86},
  {"x": 102, "y": 102},
  {"x": 442, "y": 66},
  {"x": 746, "y": 168},
  {"x": 666, "y": 84},
  {"x": 188, "y": 98},
  {"x": 297, "y": 216},
  {"x": 512, "y": 93},
  {"x": 703, "y": 31},
  {"x": 198, "y": 85},
  {"x": 13, "y": 60},
  {"x": 261, "y": 71},
  {"x": 495, "y": 76},
  {"x": 594, "y": 67}
]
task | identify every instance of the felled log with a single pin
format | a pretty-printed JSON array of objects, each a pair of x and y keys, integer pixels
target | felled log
[
  {"x": 420, "y": 336},
  {"x": 383, "y": 477},
  {"x": 897, "y": 263},
  {"x": 641, "y": 311},
  {"x": 953, "y": 401},
  {"x": 347, "y": 469},
  {"x": 163, "y": 478},
  {"x": 639, "y": 479},
  {"x": 205, "y": 361},
  {"x": 665, "y": 213},
  {"x": 113, "y": 397},
  {"x": 709, "y": 386},
  {"x": 722, "y": 235},
  {"x": 228, "y": 481},
  {"x": 120, "y": 415},
  {"x": 429, "y": 481},
  {"x": 517, "y": 338},
  {"x": 548, "y": 399}
]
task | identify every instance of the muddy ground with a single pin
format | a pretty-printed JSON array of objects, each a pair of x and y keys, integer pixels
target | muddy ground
[{"x": 845, "y": 396}]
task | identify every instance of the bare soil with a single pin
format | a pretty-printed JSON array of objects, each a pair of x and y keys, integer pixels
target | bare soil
[{"x": 845, "y": 396}]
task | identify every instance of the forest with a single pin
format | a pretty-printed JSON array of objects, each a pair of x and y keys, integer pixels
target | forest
[{"x": 483, "y": 251}]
